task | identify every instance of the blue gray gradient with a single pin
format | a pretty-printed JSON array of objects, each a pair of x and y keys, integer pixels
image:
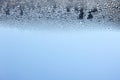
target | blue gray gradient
[
  {"x": 59, "y": 40},
  {"x": 60, "y": 55}
]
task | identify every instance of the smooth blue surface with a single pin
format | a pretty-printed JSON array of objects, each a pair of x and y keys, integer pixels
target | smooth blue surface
[{"x": 47, "y": 55}]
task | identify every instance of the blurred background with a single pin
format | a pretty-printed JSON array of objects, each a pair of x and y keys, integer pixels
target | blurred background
[
  {"x": 59, "y": 55},
  {"x": 59, "y": 40}
]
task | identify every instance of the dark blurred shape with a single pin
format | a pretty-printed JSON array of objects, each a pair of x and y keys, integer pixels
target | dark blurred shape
[
  {"x": 94, "y": 10},
  {"x": 68, "y": 9},
  {"x": 90, "y": 16},
  {"x": 81, "y": 15}
]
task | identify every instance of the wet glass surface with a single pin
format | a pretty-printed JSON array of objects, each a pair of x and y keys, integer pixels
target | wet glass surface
[{"x": 59, "y": 40}]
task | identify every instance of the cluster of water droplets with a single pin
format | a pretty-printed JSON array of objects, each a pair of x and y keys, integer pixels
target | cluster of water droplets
[{"x": 61, "y": 9}]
